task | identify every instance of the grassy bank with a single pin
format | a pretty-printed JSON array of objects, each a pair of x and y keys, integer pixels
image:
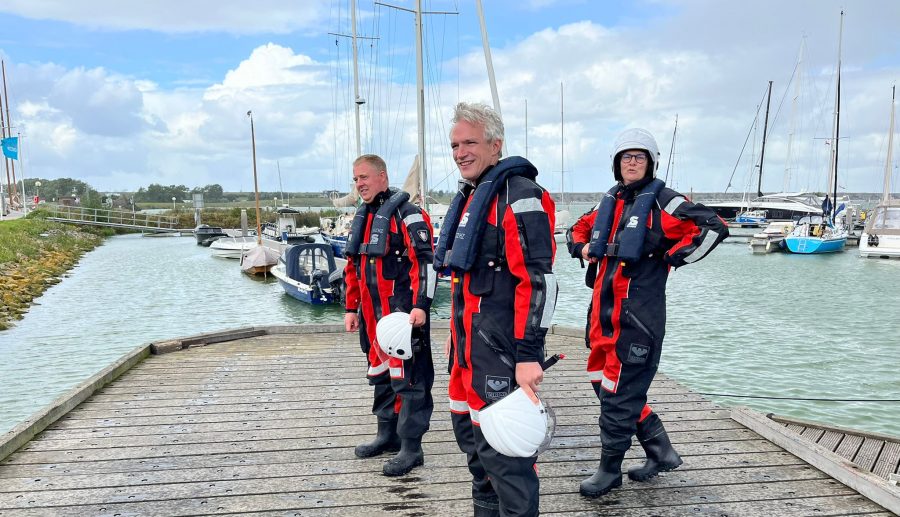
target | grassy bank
[{"x": 34, "y": 253}]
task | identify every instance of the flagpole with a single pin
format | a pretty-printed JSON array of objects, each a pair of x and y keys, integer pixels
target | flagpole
[
  {"x": 22, "y": 170},
  {"x": 5, "y": 159},
  {"x": 12, "y": 164}
]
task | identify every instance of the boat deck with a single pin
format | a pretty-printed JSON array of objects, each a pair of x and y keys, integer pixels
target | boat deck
[{"x": 264, "y": 423}]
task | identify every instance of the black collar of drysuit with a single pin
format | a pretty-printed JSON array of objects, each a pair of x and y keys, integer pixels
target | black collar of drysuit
[
  {"x": 378, "y": 200},
  {"x": 460, "y": 241},
  {"x": 631, "y": 190},
  {"x": 629, "y": 243}
]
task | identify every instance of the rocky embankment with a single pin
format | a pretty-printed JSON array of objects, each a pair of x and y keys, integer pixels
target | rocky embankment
[{"x": 34, "y": 255}]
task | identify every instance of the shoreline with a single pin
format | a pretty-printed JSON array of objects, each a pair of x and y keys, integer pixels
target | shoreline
[{"x": 36, "y": 255}]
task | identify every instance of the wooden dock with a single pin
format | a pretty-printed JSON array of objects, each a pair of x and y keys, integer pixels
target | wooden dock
[{"x": 264, "y": 421}]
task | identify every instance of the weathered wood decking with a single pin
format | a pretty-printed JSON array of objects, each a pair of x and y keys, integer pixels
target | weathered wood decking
[
  {"x": 266, "y": 425},
  {"x": 871, "y": 452}
]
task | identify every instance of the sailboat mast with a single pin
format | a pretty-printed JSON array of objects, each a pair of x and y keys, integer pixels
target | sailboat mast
[
  {"x": 255, "y": 185},
  {"x": 886, "y": 188},
  {"x": 837, "y": 114},
  {"x": 790, "y": 144},
  {"x": 672, "y": 150},
  {"x": 420, "y": 105},
  {"x": 280, "y": 186},
  {"x": 356, "y": 99},
  {"x": 490, "y": 65},
  {"x": 762, "y": 152},
  {"x": 562, "y": 147}
]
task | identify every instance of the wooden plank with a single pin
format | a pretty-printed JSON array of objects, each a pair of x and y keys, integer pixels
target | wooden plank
[
  {"x": 889, "y": 461},
  {"x": 70, "y": 450},
  {"x": 868, "y": 454},
  {"x": 674, "y": 420},
  {"x": 557, "y": 494},
  {"x": 345, "y": 436},
  {"x": 40, "y": 464},
  {"x": 571, "y": 426},
  {"x": 844, "y": 505},
  {"x": 830, "y": 440},
  {"x": 812, "y": 434},
  {"x": 25, "y": 431},
  {"x": 564, "y": 477},
  {"x": 841, "y": 469},
  {"x": 832, "y": 427},
  {"x": 849, "y": 446},
  {"x": 753, "y": 462}
]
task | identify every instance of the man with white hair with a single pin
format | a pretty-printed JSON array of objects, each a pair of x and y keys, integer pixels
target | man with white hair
[{"x": 497, "y": 242}]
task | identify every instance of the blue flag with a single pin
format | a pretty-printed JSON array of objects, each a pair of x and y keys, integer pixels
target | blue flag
[{"x": 10, "y": 147}]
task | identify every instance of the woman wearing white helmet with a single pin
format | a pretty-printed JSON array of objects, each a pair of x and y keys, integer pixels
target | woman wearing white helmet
[{"x": 639, "y": 230}]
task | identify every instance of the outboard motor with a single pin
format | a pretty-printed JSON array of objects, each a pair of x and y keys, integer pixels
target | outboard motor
[
  {"x": 336, "y": 279},
  {"x": 320, "y": 284}
]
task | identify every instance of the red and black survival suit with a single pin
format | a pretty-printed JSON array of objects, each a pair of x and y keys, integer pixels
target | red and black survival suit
[
  {"x": 498, "y": 242},
  {"x": 389, "y": 270},
  {"x": 627, "y": 320}
]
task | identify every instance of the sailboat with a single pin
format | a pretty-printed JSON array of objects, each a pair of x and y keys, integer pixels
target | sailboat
[
  {"x": 259, "y": 259},
  {"x": 816, "y": 234},
  {"x": 756, "y": 217},
  {"x": 881, "y": 236}
]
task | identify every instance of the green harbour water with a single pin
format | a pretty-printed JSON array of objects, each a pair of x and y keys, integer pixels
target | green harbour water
[{"x": 739, "y": 325}]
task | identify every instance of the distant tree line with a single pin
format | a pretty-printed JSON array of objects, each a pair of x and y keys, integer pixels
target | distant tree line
[{"x": 52, "y": 190}]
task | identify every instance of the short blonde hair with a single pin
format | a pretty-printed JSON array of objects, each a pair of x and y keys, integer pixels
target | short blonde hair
[{"x": 372, "y": 159}]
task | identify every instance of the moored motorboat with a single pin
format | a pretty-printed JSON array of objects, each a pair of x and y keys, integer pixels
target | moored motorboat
[
  {"x": 881, "y": 236},
  {"x": 310, "y": 273},
  {"x": 232, "y": 247},
  {"x": 205, "y": 234},
  {"x": 751, "y": 219},
  {"x": 771, "y": 239}
]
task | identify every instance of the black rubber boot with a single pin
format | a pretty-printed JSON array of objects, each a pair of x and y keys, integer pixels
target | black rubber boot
[
  {"x": 661, "y": 456},
  {"x": 385, "y": 441},
  {"x": 410, "y": 457},
  {"x": 607, "y": 477}
]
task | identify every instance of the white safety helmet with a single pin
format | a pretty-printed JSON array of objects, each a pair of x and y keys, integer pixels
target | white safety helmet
[
  {"x": 515, "y": 426},
  {"x": 394, "y": 333},
  {"x": 635, "y": 138}
]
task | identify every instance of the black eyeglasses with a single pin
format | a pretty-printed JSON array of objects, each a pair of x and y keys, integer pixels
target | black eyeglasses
[{"x": 638, "y": 157}]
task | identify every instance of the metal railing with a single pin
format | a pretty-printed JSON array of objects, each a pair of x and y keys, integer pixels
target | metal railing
[{"x": 111, "y": 218}]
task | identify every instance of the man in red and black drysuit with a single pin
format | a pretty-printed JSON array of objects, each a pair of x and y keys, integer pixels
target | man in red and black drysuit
[
  {"x": 389, "y": 269},
  {"x": 497, "y": 240},
  {"x": 637, "y": 233}
]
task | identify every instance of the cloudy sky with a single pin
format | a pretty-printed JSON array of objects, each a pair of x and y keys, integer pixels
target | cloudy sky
[{"x": 124, "y": 94}]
